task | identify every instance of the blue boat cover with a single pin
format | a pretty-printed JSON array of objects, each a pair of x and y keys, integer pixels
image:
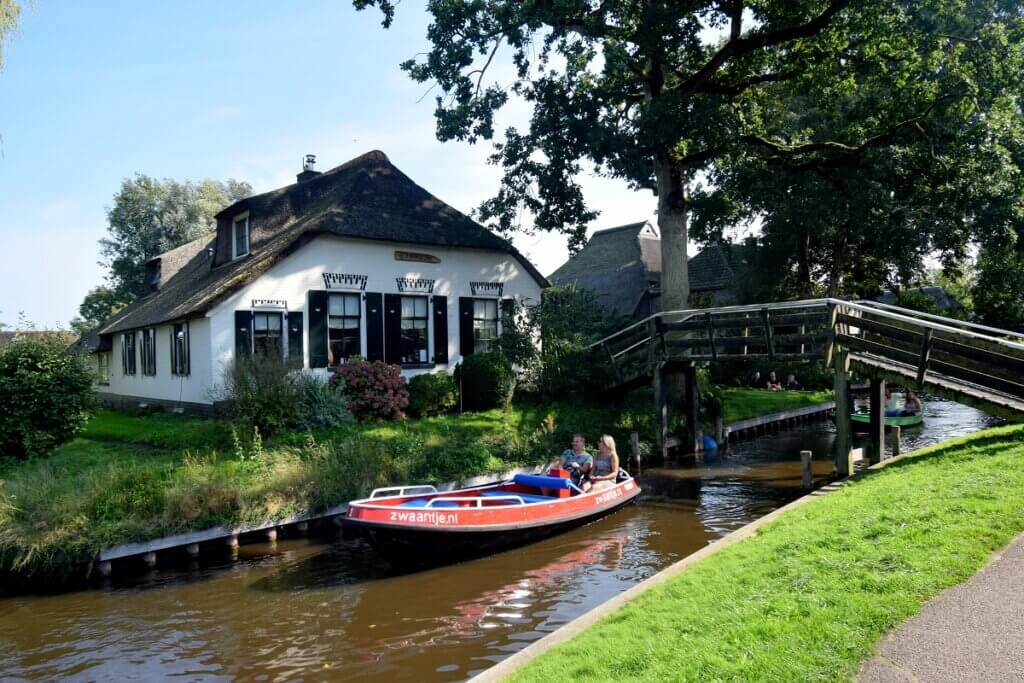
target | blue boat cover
[
  {"x": 527, "y": 497},
  {"x": 422, "y": 503},
  {"x": 541, "y": 481}
]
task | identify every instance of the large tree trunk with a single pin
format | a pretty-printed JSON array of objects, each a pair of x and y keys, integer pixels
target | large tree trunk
[{"x": 673, "y": 217}]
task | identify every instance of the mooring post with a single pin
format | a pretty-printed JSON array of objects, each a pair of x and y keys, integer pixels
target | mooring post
[
  {"x": 302, "y": 527},
  {"x": 232, "y": 541},
  {"x": 634, "y": 447},
  {"x": 877, "y": 422},
  {"x": 806, "y": 468},
  {"x": 661, "y": 410},
  {"x": 693, "y": 434},
  {"x": 272, "y": 535},
  {"x": 844, "y": 460},
  {"x": 149, "y": 559},
  {"x": 719, "y": 430},
  {"x": 895, "y": 440},
  {"x": 104, "y": 568},
  {"x": 193, "y": 550}
]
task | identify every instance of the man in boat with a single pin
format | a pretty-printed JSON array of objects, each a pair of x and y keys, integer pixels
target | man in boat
[
  {"x": 577, "y": 461},
  {"x": 891, "y": 409}
]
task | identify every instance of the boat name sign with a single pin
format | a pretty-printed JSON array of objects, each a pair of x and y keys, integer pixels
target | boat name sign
[{"x": 435, "y": 518}]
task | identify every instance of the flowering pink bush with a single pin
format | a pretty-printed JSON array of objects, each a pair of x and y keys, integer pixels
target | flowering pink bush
[{"x": 374, "y": 389}]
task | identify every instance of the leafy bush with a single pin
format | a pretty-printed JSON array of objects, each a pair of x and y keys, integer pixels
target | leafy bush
[
  {"x": 432, "y": 393},
  {"x": 374, "y": 390},
  {"x": 322, "y": 404},
  {"x": 260, "y": 393},
  {"x": 486, "y": 381},
  {"x": 46, "y": 393}
]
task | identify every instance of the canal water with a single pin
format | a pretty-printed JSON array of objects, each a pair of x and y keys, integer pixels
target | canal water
[{"x": 320, "y": 610}]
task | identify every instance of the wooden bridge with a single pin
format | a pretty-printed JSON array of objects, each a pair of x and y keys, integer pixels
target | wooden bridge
[{"x": 965, "y": 362}]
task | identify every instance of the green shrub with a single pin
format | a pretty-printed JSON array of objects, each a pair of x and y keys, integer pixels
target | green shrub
[
  {"x": 46, "y": 394},
  {"x": 322, "y": 404},
  {"x": 432, "y": 393},
  {"x": 486, "y": 381},
  {"x": 260, "y": 393},
  {"x": 373, "y": 390}
]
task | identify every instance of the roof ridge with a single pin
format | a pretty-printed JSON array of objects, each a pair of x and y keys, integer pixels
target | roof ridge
[{"x": 635, "y": 226}]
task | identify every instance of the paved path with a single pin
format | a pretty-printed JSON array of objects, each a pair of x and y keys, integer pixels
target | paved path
[{"x": 972, "y": 632}]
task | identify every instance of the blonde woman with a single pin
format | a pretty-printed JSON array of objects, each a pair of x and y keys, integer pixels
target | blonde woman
[{"x": 606, "y": 464}]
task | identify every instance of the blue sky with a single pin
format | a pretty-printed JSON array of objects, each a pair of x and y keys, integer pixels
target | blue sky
[{"x": 94, "y": 92}]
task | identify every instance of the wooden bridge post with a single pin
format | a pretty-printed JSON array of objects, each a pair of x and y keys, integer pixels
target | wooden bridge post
[
  {"x": 877, "y": 428},
  {"x": 660, "y": 409},
  {"x": 844, "y": 460},
  {"x": 634, "y": 447},
  {"x": 694, "y": 442},
  {"x": 807, "y": 470}
]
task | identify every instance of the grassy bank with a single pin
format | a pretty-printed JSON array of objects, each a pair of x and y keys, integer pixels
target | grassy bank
[
  {"x": 133, "y": 478},
  {"x": 810, "y": 595},
  {"x": 741, "y": 404}
]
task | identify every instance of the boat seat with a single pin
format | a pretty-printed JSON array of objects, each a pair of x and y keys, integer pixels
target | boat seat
[
  {"x": 422, "y": 503},
  {"x": 527, "y": 497}
]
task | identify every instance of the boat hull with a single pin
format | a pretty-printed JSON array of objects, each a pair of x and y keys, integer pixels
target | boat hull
[
  {"x": 862, "y": 423},
  {"x": 443, "y": 535}
]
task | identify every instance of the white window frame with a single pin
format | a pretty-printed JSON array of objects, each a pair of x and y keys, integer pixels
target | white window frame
[
  {"x": 497, "y": 323},
  {"x": 234, "y": 236}
]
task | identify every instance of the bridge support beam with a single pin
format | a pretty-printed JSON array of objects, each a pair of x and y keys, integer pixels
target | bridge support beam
[
  {"x": 844, "y": 457},
  {"x": 694, "y": 440},
  {"x": 661, "y": 409},
  {"x": 877, "y": 423}
]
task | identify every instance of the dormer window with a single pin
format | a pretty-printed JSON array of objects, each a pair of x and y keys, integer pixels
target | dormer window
[{"x": 240, "y": 236}]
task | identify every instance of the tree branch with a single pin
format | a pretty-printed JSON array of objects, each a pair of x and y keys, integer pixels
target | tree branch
[
  {"x": 715, "y": 88},
  {"x": 741, "y": 46}
]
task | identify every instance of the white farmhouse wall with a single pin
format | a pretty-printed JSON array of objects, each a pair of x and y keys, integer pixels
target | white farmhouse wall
[
  {"x": 193, "y": 388},
  {"x": 294, "y": 276}
]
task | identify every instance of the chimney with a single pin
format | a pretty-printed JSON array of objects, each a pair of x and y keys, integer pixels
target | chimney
[{"x": 308, "y": 162}]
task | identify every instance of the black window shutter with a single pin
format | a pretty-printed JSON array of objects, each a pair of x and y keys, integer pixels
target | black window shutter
[
  {"x": 317, "y": 329},
  {"x": 440, "y": 329},
  {"x": 508, "y": 310},
  {"x": 466, "y": 325},
  {"x": 295, "y": 339},
  {"x": 243, "y": 334},
  {"x": 374, "y": 326},
  {"x": 393, "y": 329}
]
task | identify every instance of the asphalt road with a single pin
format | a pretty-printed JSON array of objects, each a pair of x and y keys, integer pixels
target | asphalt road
[{"x": 972, "y": 632}]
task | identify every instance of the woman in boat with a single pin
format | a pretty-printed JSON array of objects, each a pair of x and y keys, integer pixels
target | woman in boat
[
  {"x": 606, "y": 465},
  {"x": 773, "y": 383},
  {"x": 911, "y": 404}
]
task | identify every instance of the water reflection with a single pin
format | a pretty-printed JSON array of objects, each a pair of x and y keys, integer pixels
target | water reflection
[{"x": 307, "y": 610}]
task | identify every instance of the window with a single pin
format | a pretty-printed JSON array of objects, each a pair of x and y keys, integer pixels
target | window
[
  {"x": 149, "y": 351},
  {"x": 485, "y": 324},
  {"x": 240, "y": 236},
  {"x": 103, "y": 368},
  {"x": 343, "y": 317},
  {"x": 266, "y": 334},
  {"x": 128, "y": 353},
  {"x": 179, "y": 349},
  {"x": 414, "y": 329}
]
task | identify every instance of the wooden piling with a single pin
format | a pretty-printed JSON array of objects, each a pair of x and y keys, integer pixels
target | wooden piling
[
  {"x": 302, "y": 527},
  {"x": 844, "y": 461},
  {"x": 193, "y": 550},
  {"x": 634, "y": 448},
  {"x": 661, "y": 410},
  {"x": 104, "y": 568},
  {"x": 150, "y": 559},
  {"x": 877, "y": 423},
  {"x": 806, "y": 468},
  {"x": 232, "y": 541},
  {"x": 694, "y": 442},
  {"x": 271, "y": 535},
  {"x": 895, "y": 440}
]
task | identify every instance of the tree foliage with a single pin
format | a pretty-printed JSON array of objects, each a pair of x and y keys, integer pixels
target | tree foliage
[
  {"x": 151, "y": 216},
  {"x": 100, "y": 303},
  {"x": 999, "y": 292},
  {"x": 10, "y": 10},
  {"x": 828, "y": 118}
]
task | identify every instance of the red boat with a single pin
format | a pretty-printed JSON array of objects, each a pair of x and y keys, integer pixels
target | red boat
[{"x": 419, "y": 525}]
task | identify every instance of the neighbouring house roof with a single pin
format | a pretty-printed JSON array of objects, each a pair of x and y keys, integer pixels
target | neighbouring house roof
[
  {"x": 367, "y": 198},
  {"x": 939, "y": 295},
  {"x": 618, "y": 264}
]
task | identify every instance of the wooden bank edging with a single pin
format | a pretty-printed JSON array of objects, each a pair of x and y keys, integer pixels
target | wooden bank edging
[
  {"x": 581, "y": 623},
  {"x": 784, "y": 416},
  {"x": 231, "y": 533}
]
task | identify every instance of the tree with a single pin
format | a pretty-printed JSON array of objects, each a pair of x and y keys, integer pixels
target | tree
[
  {"x": 999, "y": 292},
  {"x": 99, "y": 304},
  {"x": 9, "y": 13},
  {"x": 151, "y": 216},
  {"x": 636, "y": 90}
]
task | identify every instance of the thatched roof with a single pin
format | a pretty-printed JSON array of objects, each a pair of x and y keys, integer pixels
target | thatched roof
[{"x": 367, "y": 197}]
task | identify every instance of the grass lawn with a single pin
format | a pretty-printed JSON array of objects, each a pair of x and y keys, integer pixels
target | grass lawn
[
  {"x": 741, "y": 404},
  {"x": 811, "y": 594}
]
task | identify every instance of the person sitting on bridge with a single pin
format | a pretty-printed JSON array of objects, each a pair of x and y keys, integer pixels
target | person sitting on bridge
[
  {"x": 773, "y": 383},
  {"x": 911, "y": 404},
  {"x": 577, "y": 461},
  {"x": 792, "y": 384}
]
